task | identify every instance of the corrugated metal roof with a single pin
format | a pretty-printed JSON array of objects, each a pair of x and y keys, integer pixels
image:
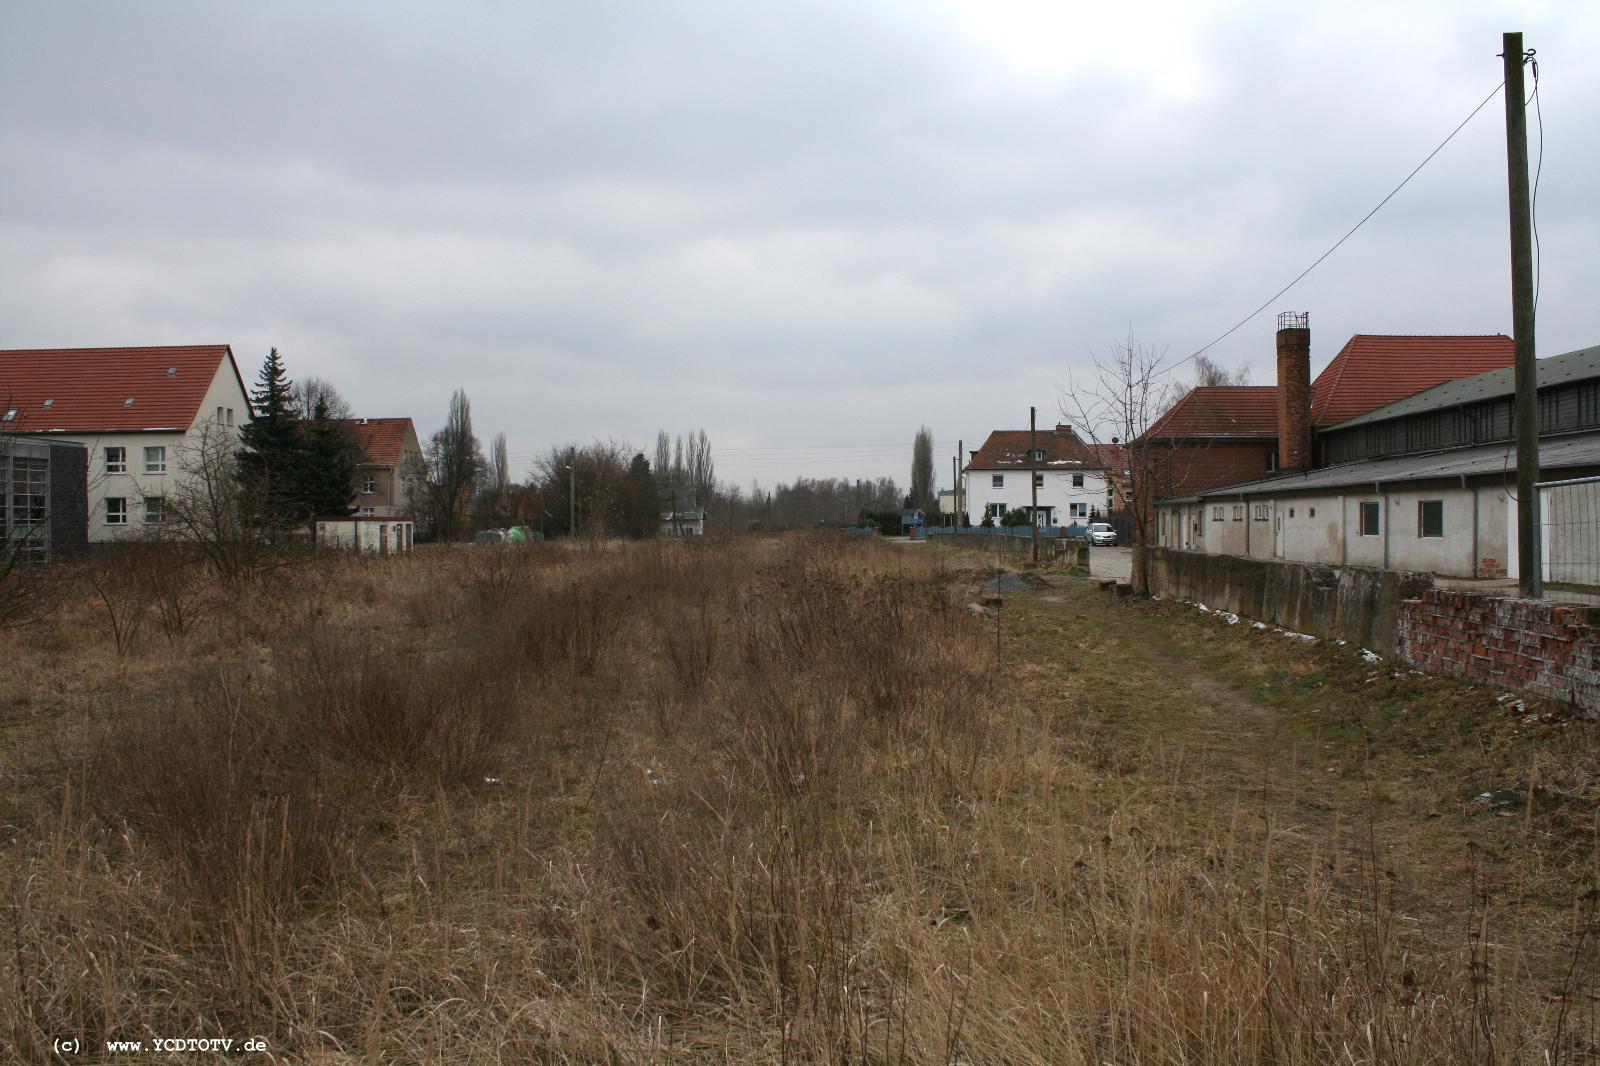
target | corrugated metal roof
[
  {"x": 1555, "y": 453},
  {"x": 1556, "y": 370}
]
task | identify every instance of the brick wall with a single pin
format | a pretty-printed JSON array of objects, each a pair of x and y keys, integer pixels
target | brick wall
[{"x": 1551, "y": 649}]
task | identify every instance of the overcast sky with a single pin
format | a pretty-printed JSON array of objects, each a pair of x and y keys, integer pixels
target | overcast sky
[{"x": 807, "y": 228}]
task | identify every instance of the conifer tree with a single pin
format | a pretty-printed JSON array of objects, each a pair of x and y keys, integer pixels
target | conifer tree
[
  {"x": 328, "y": 466},
  {"x": 271, "y": 461}
]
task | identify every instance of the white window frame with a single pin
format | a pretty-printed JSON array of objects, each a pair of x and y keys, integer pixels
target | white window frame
[
  {"x": 997, "y": 481},
  {"x": 1238, "y": 512},
  {"x": 995, "y": 511},
  {"x": 369, "y": 485},
  {"x": 155, "y": 459},
  {"x": 118, "y": 465},
  {"x": 1077, "y": 481},
  {"x": 1262, "y": 512},
  {"x": 155, "y": 510},
  {"x": 116, "y": 510},
  {"x": 1038, "y": 481},
  {"x": 1077, "y": 510},
  {"x": 1216, "y": 513}
]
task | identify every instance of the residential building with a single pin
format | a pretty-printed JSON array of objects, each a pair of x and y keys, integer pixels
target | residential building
[
  {"x": 389, "y": 470},
  {"x": 143, "y": 415},
  {"x": 1425, "y": 483},
  {"x": 1225, "y": 435},
  {"x": 1072, "y": 482},
  {"x": 44, "y": 499}
]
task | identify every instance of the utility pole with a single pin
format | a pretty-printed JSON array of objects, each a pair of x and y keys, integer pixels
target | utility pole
[
  {"x": 955, "y": 489},
  {"x": 1529, "y": 567},
  {"x": 1033, "y": 478},
  {"x": 961, "y": 494},
  {"x": 572, "y": 497}
]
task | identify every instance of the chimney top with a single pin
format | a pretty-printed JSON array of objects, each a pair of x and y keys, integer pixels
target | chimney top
[{"x": 1294, "y": 320}]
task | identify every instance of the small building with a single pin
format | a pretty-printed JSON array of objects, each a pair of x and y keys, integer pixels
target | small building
[
  {"x": 382, "y": 534},
  {"x": 690, "y": 523},
  {"x": 389, "y": 465},
  {"x": 912, "y": 522},
  {"x": 44, "y": 499}
]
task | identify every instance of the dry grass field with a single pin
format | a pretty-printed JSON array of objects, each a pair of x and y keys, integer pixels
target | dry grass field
[{"x": 773, "y": 800}]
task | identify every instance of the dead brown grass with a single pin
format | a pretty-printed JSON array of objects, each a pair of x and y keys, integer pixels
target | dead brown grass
[{"x": 767, "y": 800}]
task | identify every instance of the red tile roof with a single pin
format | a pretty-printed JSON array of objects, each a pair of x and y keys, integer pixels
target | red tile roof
[
  {"x": 88, "y": 388},
  {"x": 1372, "y": 370},
  {"x": 1211, "y": 411},
  {"x": 1007, "y": 449},
  {"x": 380, "y": 439},
  {"x": 1110, "y": 456}
]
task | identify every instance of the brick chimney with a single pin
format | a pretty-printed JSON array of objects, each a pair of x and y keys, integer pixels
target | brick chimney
[{"x": 1294, "y": 390}]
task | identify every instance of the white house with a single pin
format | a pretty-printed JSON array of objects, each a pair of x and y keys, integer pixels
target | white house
[
  {"x": 683, "y": 523},
  {"x": 382, "y": 534},
  {"x": 141, "y": 412},
  {"x": 1073, "y": 482}
]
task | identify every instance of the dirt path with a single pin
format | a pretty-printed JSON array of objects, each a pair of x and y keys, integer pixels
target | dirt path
[{"x": 1363, "y": 771}]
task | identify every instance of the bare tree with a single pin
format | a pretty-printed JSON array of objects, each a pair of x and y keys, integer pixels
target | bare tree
[
  {"x": 1129, "y": 388},
  {"x": 1208, "y": 373},
  {"x": 662, "y": 466},
  {"x": 922, "y": 471},
  {"x": 455, "y": 465},
  {"x": 308, "y": 391},
  {"x": 230, "y": 522},
  {"x": 700, "y": 470}
]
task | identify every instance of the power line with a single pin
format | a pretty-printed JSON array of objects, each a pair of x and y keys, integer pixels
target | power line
[{"x": 1349, "y": 233}]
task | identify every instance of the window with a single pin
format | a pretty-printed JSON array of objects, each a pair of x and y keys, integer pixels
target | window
[
  {"x": 230, "y": 416},
  {"x": 116, "y": 460},
  {"x": 10, "y": 415},
  {"x": 155, "y": 510},
  {"x": 996, "y": 511},
  {"x": 29, "y": 494},
  {"x": 1078, "y": 510},
  {"x": 1216, "y": 514},
  {"x": 1291, "y": 512},
  {"x": 1430, "y": 518},
  {"x": 1369, "y": 520},
  {"x": 219, "y": 416},
  {"x": 369, "y": 510},
  {"x": 998, "y": 481},
  {"x": 1261, "y": 512},
  {"x": 1038, "y": 455},
  {"x": 1311, "y": 512},
  {"x": 155, "y": 460},
  {"x": 1077, "y": 481},
  {"x": 1238, "y": 512},
  {"x": 116, "y": 511},
  {"x": 369, "y": 484},
  {"x": 1038, "y": 481}
]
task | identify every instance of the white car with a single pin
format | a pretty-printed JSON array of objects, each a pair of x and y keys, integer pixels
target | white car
[{"x": 1102, "y": 535}]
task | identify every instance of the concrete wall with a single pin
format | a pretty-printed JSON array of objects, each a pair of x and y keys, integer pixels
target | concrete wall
[
  {"x": 1355, "y": 604},
  {"x": 1550, "y": 649}
]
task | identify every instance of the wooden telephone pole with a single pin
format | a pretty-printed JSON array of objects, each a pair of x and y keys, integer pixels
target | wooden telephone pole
[
  {"x": 1529, "y": 566},
  {"x": 1033, "y": 479}
]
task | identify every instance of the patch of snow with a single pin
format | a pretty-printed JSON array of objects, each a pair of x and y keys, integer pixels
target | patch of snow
[
  {"x": 1368, "y": 656},
  {"x": 1231, "y": 618},
  {"x": 1258, "y": 625}
]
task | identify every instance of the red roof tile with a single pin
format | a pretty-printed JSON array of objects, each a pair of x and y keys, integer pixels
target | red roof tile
[
  {"x": 1007, "y": 449},
  {"x": 380, "y": 439},
  {"x": 1373, "y": 370},
  {"x": 88, "y": 388},
  {"x": 1209, "y": 411}
]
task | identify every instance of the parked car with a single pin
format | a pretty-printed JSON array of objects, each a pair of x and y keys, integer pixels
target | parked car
[{"x": 1102, "y": 535}]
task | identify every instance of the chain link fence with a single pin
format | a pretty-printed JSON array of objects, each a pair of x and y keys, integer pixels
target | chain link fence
[{"x": 1569, "y": 534}]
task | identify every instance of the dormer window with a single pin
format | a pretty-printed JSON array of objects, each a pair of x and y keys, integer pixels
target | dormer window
[
  {"x": 172, "y": 371},
  {"x": 10, "y": 416},
  {"x": 49, "y": 404},
  {"x": 128, "y": 402},
  {"x": 1038, "y": 455}
]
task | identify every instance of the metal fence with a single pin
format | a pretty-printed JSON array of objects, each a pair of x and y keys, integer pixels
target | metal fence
[{"x": 1569, "y": 533}]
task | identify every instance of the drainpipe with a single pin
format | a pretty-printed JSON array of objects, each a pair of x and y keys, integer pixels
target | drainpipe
[
  {"x": 1475, "y": 556},
  {"x": 1383, "y": 517}
]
